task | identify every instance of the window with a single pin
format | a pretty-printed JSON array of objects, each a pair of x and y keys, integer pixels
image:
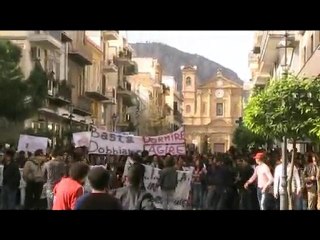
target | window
[
  {"x": 304, "y": 55},
  {"x": 204, "y": 108},
  {"x": 188, "y": 108},
  {"x": 219, "y": 109},
  {"x": 188, "y": 81},
  {"x": 311, "y": 45}
]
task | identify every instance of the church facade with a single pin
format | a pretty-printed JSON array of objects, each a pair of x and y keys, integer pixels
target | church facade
[{"x": 210, "y": 110}]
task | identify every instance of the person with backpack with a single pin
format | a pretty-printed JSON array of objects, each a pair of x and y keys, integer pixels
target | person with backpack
[
  {"x": 34, "y": 177},
  {"x": 168, "y": 182},
  {"x": 99, "y": 198},
  {"x": 134, "y": 196}
]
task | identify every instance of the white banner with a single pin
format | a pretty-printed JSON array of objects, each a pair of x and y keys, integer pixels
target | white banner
[
  {"x": 82, "y": 139},
  {"x": 173, "y": 143},
  {"x": 151, "y": 178},
  {"x": 103, "y": 142},
  {"x": 29, "y": 143}
]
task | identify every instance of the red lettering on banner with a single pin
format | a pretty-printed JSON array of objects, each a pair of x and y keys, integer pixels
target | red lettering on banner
[
  {"x": 167, "y": 138},
  {"x": 171, "y": 150},
  {"x": 160, "y": 139},
  {"x": 177, "y": 136},
  {"x": 181, "y": 150},
  {"x": 162, "y": 150}
]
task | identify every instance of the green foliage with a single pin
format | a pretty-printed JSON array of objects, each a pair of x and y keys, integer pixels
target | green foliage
[
  {"x": 244, "y": 139},
  {"x": 19, "y": 99},
  {"x": 13, "y": 89},
  {"x": 37, "y": 86},
  {"x": 287, "y": 107}
]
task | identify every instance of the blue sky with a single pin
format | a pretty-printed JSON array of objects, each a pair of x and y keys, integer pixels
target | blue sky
[{"x": 228, "y": 48}]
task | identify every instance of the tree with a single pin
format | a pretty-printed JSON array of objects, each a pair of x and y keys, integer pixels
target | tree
[
  {"x": 287, "y": 107},
  {"x": 37, "y": 87},
  {"x": 244, "y": 139},
  {"x": 19, "y": 98},
  {"x": 13, "y": 90}
]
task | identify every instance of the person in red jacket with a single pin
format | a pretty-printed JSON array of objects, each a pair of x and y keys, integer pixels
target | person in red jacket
[{"x": 69, "y": 189}]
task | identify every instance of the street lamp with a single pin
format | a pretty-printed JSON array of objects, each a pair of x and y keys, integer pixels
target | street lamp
[
  {"x": 70, "y": 116},
  {"x": 114, "y": 120},
  {"x": 286, "y": 47}
]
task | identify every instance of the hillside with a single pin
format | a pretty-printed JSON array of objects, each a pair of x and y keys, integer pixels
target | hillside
[{"x": 171, "y": 59}]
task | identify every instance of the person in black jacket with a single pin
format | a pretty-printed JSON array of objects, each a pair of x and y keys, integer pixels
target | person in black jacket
[
  {"x": 11, "y": 181},
  {"x": 222, "y": 199}
]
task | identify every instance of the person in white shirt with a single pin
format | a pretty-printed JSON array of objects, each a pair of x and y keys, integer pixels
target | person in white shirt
[{"x": 277, "y": 187}]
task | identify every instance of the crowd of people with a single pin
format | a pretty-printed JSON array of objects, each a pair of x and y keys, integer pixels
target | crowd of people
[{"x": 222, "y": 181}]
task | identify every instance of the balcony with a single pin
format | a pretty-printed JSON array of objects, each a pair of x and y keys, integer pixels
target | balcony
[
  {"x": 110, "y": 35},
  {"x": 44, "y": 40},
  {"x": 128, "y": 96},
  {"x": 131, "y": 69},
  {"x": 165, "y": 89},
  {"x": 177, "y": 116},
  {"x": 109, "y": 66},
  {"x": 311, "y": 67},
  {"x": 61, "y": 94},
  {"x": 83, "y": 107},
  {"x": 96, "y": 94},
  {"x": 80, "y": 54},
  {"x": 123, "y": 122},
  {"x": 124, "y": 58},
  {"x": 253, "y": 61}
]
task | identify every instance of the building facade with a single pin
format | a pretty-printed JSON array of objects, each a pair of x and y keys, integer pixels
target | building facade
[
  {"x": 173, "y": 102},
  {"x": 210, "y": 110},
  {"x": 267, "y": 59},
  {"x": 86, "y": 79},
  {"x": 147, "y": 84}
]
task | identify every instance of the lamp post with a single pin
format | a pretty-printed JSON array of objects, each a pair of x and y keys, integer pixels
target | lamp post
[
  {"x": 288, "y": 50},
  {"x": 114, "y": 121}
]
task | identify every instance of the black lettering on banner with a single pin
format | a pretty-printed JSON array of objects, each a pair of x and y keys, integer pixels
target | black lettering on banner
[
  {"x": 93, "y": 147},
  {"x": 152, "y": 187},
  {"x": 104, "y": 136},
  {"x": 109, "y": 151},
  {"x": 130, "y": 139},
  {"x": 183, "y": 177},
  {"x": 181, "y": 202},
  {"x": 115, "y": 152},
  {"x": 112, "y": 137},
  {"x": 101, "y": 150},
  {"x": 94, "y": 133},
  {"x": 120, "y": 138}
]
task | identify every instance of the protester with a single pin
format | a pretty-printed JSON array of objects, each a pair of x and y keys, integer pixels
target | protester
[
  {"x": 99, "y": 198},
  {"x": 21, "y": 159},
  {"x": 277, "y": 186},
  {"x": 69, "y": 189},
  {"x": 33, "y": 175},
  {"x": 310, "y": 177},
  {"x": 11, "y": 181},
  {"x": 156, "y": 162},
  {"x": 168, "y": 182},
  {"x": 246, "y": 197},
  {"x": 54, "y": 170},
  {"x": 222, "y": 199},
  {"x": 197, "y": 191},
  {"x": 134, "y": 196},
  {"x": 264, "y": 178}
]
